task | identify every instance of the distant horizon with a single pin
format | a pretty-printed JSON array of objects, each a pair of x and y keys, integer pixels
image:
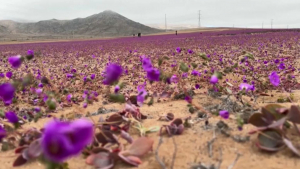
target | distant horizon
[{"x": 214, "y": 13}]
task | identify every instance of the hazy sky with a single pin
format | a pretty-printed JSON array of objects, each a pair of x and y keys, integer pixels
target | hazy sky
[{"x": 240, "y": 13}]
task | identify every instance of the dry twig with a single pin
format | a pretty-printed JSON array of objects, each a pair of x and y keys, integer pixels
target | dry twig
[
  {"x": 209, "y": 143},
  {"x": 174, "y": 154},
  {"x": 220, "y": 158},
  {"x": 235, "y": 160},
  {"x": 162, "y": 164}
]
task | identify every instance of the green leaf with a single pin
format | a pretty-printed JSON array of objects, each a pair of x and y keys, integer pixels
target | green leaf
[
  {"x": 235, "y": 65},
  {"x": 218, "y": 74},
  {"x": 122, "y": 85},
  {"x": 250, "y": 56},
  {"x": 160, "y": 61},
  {"x": 183, "y": 67},
  {"x": 51, "y": 104},
  {"x": 194, "y": 65},
  {"x": 153, "y": 129},
  {"x": 203, "y": 56},
  {"x": 229, "y": 91},
  {"x": 150, "y": 103},
  {"x": 119, "y": 98}
]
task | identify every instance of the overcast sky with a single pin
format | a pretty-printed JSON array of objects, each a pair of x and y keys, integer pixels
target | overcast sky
[{"x": 240, "y": 13}]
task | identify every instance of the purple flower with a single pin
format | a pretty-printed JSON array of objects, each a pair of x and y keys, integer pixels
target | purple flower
[
  {"x": 281, "y": 66},
  {"x": 168, "y": 80},
  {"x": 93, "y": 76},
  {"x": 2, "y": 75},
  {"x": 38, "y": 91},
  {"x": 85, "y": 105},
  {"x": 190, "y": 51},
  {"x": 45, "y": 98},
  {"x": 84, "y": 78},
  {"x": 30, "y": 52},
  {"x": 113, "y": 73},
  {"x": 174, "y": 79},
  {"x": 274, "y": 79},
  {"x": 153, "y": 74},
  {"x": 194, "y": 73},
  {"x": 188, "y": 99},
  {"x": 146, "y": 63},
  {"x": 240, "y": 128},
  {"x": 276, "y": 61},
  {"x": 117, "y": 88},
  {"x": 184, "y": 75},
  {"x": 69, "y": 75},
  {"x": 214, "y": 79},
  {"x": 12, "y": 117},
  {"x": 96, "y": 94},
  {"x": 30, "y": 55},
  {"x": 9, "y": 74},
  {"x": 246, "y": 86},
  {"x": 178, "y": 49},
  {"x": 7, "y": 92},
  {"x": 2, "y": 133},
  {"x": 142, "y": 93},
  {"x": 62, "y": 140},
  {"x": 15, "y": 61},
  {"x": 40, "y": 85},
  {"x": 37, "y": 109},
  {"x": 69, "y": 97},
  {"x": 73, "y": 70},
  {"x": 224, "y": 114},
  {"x": 197, "y": 86}
]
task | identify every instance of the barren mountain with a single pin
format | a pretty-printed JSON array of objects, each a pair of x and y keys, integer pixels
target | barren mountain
[{"x": 105, "y": 24}]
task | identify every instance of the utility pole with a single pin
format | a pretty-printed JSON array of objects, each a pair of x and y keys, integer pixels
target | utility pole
[
  {"x": 199, "y": 23},
  {"x": 271, "y": 23},
  {"x": 166, "y": 22}
]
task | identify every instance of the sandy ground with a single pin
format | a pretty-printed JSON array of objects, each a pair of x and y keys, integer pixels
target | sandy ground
[
  {"x": 76, "y": 39},
  {"x": 191, "y": 145}
]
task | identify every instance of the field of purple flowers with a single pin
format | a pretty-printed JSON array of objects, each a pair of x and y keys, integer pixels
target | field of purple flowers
[{"x": 206, "y": 100}]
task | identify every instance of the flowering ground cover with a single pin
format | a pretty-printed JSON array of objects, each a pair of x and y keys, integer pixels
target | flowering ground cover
[{"x": 226, "y": 99}]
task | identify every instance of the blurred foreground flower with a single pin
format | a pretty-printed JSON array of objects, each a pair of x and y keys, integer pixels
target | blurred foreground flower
[
  {"x": 146, "y": 63},
  {"x": 142, "y": 93},
  {"x": 7, "y": 92},
  {"x": 12, "y": 117},
  {"x": 153, "y": 74},
  {"x": 15, "y": 61},
  {"x": 113, "y": 73},
  {"x": 62, "y": 140}
]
